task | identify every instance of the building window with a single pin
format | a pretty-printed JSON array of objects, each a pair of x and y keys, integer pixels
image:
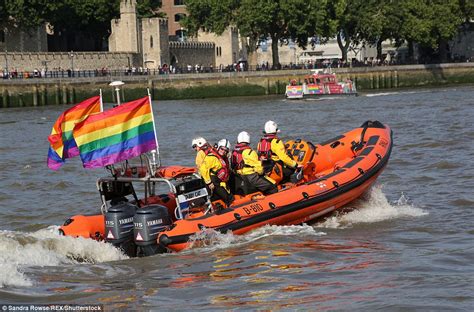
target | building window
[
  {"x": 151, "y": 41},
  {"x": 2, "y": 35},
  {"x": 178, "y": 2},
  {"x": 178, "y": 17},
  {"x": 181, "y": 34}
]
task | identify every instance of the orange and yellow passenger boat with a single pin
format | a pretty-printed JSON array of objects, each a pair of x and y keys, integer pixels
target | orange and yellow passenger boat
[{"x": 175, "y": 204}]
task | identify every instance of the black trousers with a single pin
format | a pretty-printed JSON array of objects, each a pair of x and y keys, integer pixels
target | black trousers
[
  {"x": 220, "y": 192},
  {"x": 258, "y": 182},
  {"x": 287, "y": 172}
]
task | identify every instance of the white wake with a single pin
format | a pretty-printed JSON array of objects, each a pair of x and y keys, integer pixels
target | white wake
[
  {"x": 372, "y": 207},
  {"x": 212, "y": 240},
  {"x": 19, "y": 250}
]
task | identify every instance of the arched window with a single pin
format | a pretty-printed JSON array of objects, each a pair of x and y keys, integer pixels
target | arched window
[
  {"x": 151, "y": 41},
  {"x": 178, "y": 17},
  {"x": 178, "y": 2}
]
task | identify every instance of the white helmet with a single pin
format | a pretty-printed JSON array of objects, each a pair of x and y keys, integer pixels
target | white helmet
[
  {"x": 223, "y": 143},
  {"x": 271, "y": 127},
  {"x": 243, "y": 137},
  {"x": 199, "y": 142}
]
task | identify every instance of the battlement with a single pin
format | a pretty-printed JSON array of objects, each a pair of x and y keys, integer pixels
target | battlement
[
  {"x": 191, "y": 45},
  {"x": 128, "y": 6},
  {"x": 155, "y": 20}
]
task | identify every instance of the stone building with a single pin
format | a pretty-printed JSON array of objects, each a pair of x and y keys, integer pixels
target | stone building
[
  {"x": 148, "y": 37},
  {"x": 175, "y": 11},
  {"x": 229, "y": 47}
]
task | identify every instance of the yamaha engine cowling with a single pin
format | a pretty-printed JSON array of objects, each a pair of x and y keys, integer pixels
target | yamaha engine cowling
[
  {"x": 119, "y": 227},
  {"x": 148, "y": 222}
]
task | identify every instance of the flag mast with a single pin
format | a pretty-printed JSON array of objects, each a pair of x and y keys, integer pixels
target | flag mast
[
  {"x": 101, "y": 102},
  {"x": 155, "y": 154}
]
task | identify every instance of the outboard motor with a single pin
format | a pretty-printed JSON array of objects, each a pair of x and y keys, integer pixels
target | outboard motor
[
  {"x": 119, "y": 227},
  {"x": 148, "y": 222}
]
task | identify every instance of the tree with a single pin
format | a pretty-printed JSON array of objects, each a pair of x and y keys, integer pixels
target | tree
[
  {"x": 149, "y": 8},
  {"x": 467, "y": 9},
  {"x": 279, "y": 20},
  {"x": 430, "y": 24},
  {"x": 24, "y": 14},
  {"x": 378, "y": 21},
  {"x": 341, "y": 22}
]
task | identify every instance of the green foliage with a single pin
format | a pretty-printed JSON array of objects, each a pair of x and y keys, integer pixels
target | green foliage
[
  {"x": 210, "y": 15},
  {"x": 149, "y": 8},
  {"x": 429, "y": 23},
  {"x": 279, "y": 20}
]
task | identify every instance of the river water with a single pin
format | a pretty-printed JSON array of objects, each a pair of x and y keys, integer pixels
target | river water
[{"x": 408, "y": 245}]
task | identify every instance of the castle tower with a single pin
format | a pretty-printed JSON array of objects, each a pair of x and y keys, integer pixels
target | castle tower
[
  {"x": 125, "y": 35},
  {"x": 155, "y": 43}
]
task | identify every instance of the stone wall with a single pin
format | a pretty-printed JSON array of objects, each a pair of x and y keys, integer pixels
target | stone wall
[
  {"x": 155, "y": 42},
  {"x": 26, "y": 61},
  {"x": 192, "y": 53},
  {"x": 227, "y": 50}
]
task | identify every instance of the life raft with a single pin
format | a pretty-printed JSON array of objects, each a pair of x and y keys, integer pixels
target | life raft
[{"x": 335, "y": 173}]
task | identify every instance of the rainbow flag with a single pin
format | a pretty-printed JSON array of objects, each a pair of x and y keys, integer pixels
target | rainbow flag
[
  {"x": 314, "y": 89},
  {"x": 120, "y": 133},
  {"x": 62, "y": 144}
]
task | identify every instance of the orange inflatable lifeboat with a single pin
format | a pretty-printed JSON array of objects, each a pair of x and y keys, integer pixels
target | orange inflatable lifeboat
[{"x": 175, "y": 205}]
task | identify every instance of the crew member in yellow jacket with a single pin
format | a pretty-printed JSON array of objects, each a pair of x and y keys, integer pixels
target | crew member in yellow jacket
[
  {"x": 215, "y": 172},
  {"x": 272, "y": 153},
  {"x": 201, "y": 146},
  {"x": 245, "y": 162}
]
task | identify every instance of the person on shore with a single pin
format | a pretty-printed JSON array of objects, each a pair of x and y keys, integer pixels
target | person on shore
[
  {"x": 201, "y": 146},
  {"x": 272, "y": 152},
  {"x": 215, "y": 172},
  {"x": 245, "y": 162}
]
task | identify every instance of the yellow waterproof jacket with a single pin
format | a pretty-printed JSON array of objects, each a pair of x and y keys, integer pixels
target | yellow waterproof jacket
[
  {"x": 279, "y": 149},
  {"x": 253, "y": 164},
  {"x": 200, "y": 158},
  {"x": 209, "y": 165}
]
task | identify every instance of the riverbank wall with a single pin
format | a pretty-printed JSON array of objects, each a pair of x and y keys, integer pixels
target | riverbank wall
[{"x": 58, "y": 91}]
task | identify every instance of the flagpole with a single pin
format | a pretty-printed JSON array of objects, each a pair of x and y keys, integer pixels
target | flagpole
[
  {"x": 101, "y": 102},
  {"x": 156, "y": 152}
]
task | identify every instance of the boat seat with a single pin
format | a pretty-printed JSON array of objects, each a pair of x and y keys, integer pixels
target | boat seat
[{"x": 339, "y": 164}]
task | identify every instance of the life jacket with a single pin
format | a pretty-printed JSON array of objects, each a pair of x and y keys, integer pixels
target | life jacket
[
  {"x": 237, "y": 158},
  {"x": 264, "y": 147},
  {"x": 223, "y": 172}
]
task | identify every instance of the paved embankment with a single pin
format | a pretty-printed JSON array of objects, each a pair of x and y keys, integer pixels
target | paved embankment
[{"x": 52, "y": 91}]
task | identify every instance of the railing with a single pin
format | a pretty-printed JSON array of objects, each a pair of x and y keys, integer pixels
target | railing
[{"x": 178, "y": 70}]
